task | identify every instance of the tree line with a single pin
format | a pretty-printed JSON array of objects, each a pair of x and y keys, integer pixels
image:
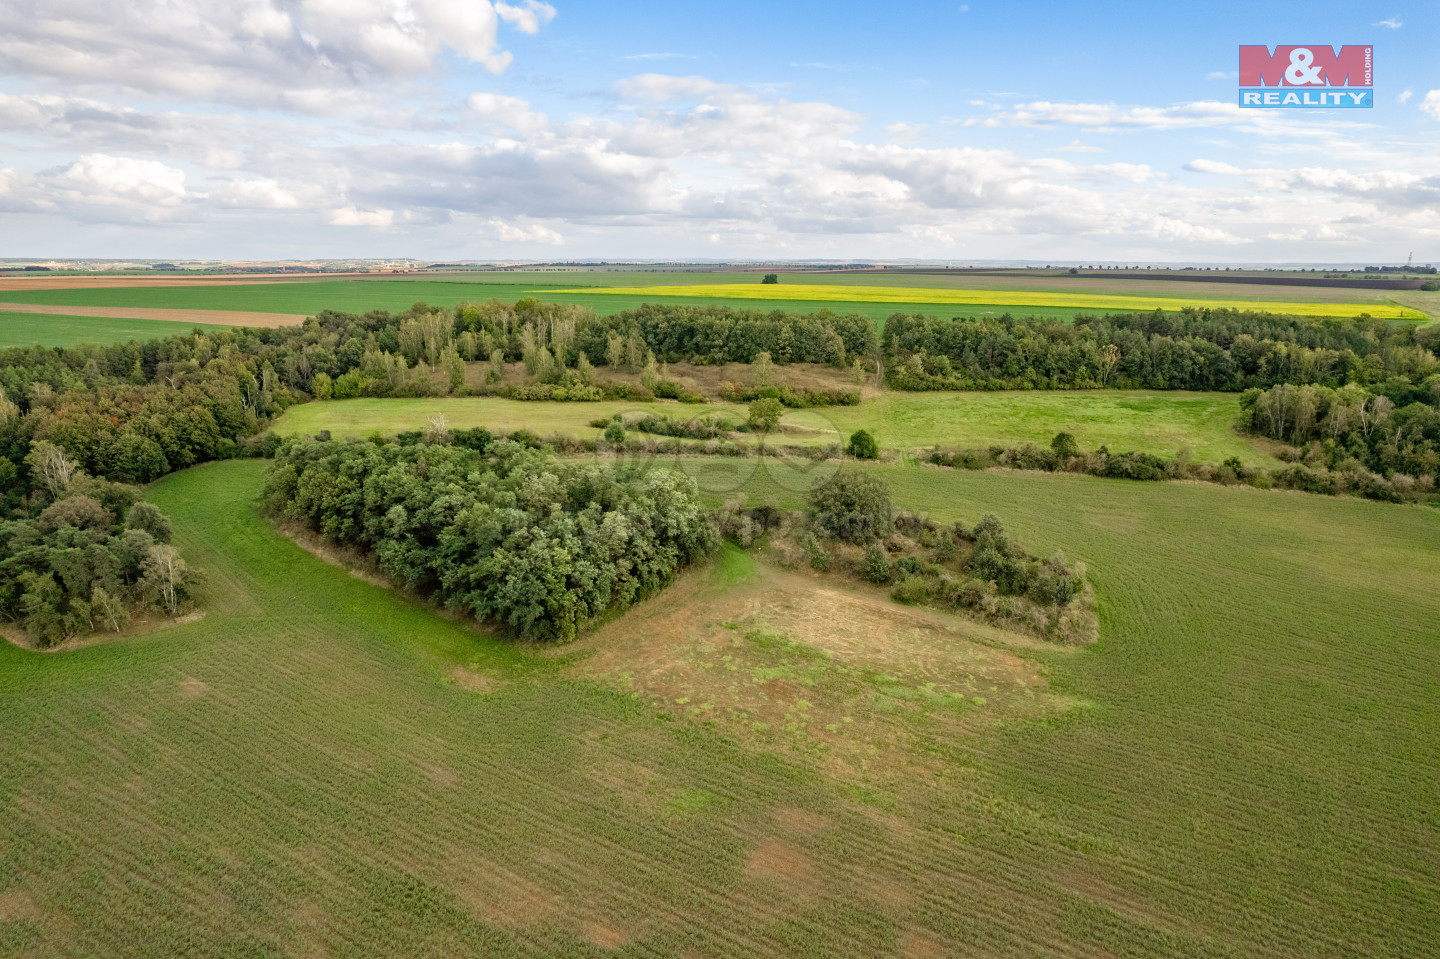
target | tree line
[
  {"x": 1391, "y": 428},
  {"x": 1189, "y": 350},
  {"x": 511, "y": 535}
]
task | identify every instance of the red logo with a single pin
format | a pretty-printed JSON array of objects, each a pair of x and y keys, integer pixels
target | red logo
[{"x": 1313, "y": 65}]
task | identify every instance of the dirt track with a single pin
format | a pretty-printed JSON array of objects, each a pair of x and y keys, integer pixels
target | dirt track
[{"x": 219, "y": 317}]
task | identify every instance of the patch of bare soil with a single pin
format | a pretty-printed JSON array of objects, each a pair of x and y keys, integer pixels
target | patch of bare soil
[
  {"x": 208, "y": 317},
  {"x": 508, "y": 899},
  {"x": 819, "y": 667},
  {"x": 192, "y": 688},
  {"x": 19, "y": 904},
  {"x": 920, "y": 945},
  {"x": 604, "y": 936},
  {"x": 775, "y": 860},
  {"x": 471, "y": 680},
  {"x": 439, "y": 775},
  {"x": 801, "y": 822}
]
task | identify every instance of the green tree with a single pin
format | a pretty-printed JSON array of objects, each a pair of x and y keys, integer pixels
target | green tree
[
  {"x": 852, "y": 506},
  {"x": 765, "y": 415},
  {"x": 1065, "y": 446},
  {"x": 771, "y": 278},
  {"x": 862, "y": 445}
]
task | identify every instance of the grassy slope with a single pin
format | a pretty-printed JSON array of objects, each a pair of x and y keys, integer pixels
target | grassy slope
[
  {"x": 29, "y": 329},
  {"x": 1266, "y": 680},
  {"x": 1151, "y": 422},
  {"x": 1254, "y": 772}
]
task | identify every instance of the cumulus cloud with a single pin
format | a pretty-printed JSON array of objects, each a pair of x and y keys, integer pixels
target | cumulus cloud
[
  {"x": 533, "y": 233},
  {"x": 293, "y": 54},
  {"x": 1431, "y": 104},
  {"x": 102, "y": 178},
  {"x": 351, "y": 216},
  {"x": 528, "y": 17},
  {"x": 261, "y": 193},
  {"x": 503, "y": 111}
]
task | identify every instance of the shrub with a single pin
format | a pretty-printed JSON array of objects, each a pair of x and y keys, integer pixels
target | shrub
[
  {"x": 911, "y": 589},
  {"x": 1065, "y": 446},
  {"x": 614, "y": 432},
  {"x": 862, "y": 445},
  {"x": 851, "y": 506},
  {"x": 877, "y": 564}
]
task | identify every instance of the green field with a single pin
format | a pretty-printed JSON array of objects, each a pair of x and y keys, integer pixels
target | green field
[
  {"x": 29, "y": 329},
  {"x": 1146, "y": 421},
  {"x": 1247, "y": 765},
  {"x": 886, "y": 294},
  {"x": 360, "y": 296}
]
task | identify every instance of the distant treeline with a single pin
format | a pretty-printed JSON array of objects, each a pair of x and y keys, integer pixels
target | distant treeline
[
  {"x": 1190, "y": 350},
  {"x": 506, "y": 533}
]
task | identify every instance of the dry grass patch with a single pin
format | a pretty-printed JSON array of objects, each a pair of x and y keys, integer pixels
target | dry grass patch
[{"x": 838, "y": 673}]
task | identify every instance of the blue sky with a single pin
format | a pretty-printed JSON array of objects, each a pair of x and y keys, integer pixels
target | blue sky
[{"x": 453, "y": 129}]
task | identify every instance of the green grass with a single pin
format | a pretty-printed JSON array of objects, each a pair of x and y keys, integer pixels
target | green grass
[
  {"x": 1147, "y": 421},
  {"x": 29, "y": 329},
  {"x": 1250, "y": 767}
]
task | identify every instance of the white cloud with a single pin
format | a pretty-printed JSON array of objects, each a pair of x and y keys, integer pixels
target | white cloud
[
  {"x": 1214, "y": 166},
  {"x": 510, "y": 112},
  {"x": 1404, "y": 96},
  {"x": 351, "y": 216},
  {"x": 291, "y": 54},
  {"x": 534, "y": 233},
  {"x": 255, "y": 194},
  {"x": 1222, "y": 75},
  {"x": 1431, "y": 104},
  {"x": 659, "y": 86},
  {"x": 527, "y": 18},
  {"x": 658, "y": 56},
  {"x": 1392, "y": 23},
  {"x": 104, "y": 178},
  {"x": 1109, "y": 116}
]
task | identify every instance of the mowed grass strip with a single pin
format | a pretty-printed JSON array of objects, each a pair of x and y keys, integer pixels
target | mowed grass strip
[
  {"x": 1017, "y": 298},
  {"x": 1146, "y": 421},
  {"x": 33, "y": 329},
  {"x": 1249, "y": 768}
]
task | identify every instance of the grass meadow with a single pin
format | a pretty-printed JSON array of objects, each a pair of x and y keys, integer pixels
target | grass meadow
[
  {"x": 1148, "y": 421},
  {"x": 31, "y": 329},
  {"x": 1246, "y": 764}
]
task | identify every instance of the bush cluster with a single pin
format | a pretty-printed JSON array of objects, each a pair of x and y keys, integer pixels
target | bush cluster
[
  {"x": 510, "y": 534},
  {"x": 84, "y": 557},
  {"x": 794, "y": 397}
]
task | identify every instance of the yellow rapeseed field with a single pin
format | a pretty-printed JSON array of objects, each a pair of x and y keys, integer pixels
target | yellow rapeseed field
[{"x": 1017, "y": 298}]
